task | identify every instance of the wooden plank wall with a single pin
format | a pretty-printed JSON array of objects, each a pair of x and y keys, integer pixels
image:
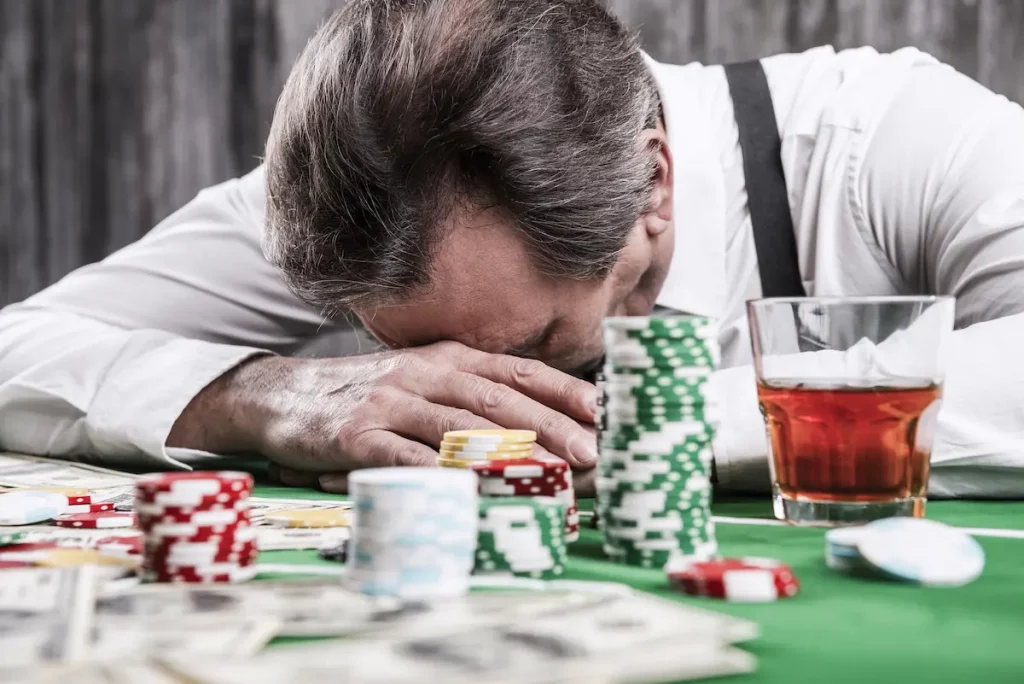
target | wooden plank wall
[{"x": 115, "y": 112}]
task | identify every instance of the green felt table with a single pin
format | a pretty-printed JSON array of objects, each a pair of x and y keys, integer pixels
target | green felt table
[{"x": 839, "y": 628}]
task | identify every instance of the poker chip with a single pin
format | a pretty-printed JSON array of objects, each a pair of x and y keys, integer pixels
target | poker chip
[
  {"x": 120, "y": 546},
  {"x": 74, "y": 495},
  {"x": 31, "y": 507},
  {"x": 26, "y": 552},
  {"x": 74, "y": 509},
  {"x": 521, "y": 537},
  {"x": 414, "y": 532},
  {"x": 536, "y": 476},
  {"x": 841, "y": 552},
  {"x": 8, "y": 538},
  {"x": 657, "y": 418},
  {"x": 743, "y": 580},
  {"x": 496, "y": 447},
  {"x": 196, "y": 528},
  {"x": 490, "y": 437},
  {"x": 920, "y": 551},
  {"x": 66, "y": 558},
  {"x": 101, "y": 520},
  {"x": 336, "y": 551},
  {"x": 329, "y": 517}
]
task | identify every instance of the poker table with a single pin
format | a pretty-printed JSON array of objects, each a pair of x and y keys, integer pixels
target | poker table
[{"x": 841, "y": 628}]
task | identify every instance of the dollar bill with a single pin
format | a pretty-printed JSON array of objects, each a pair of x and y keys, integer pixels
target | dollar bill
[
  {"x": 46, "y": 615},
  {"x": 296, "y": 538},
  {"x": 20, "y": 471}
]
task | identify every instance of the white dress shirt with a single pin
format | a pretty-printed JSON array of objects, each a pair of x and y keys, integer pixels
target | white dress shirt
[{"x": 904, "y": 177}]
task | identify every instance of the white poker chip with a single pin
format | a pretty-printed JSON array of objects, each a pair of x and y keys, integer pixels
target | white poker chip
[
  {"x": 27, "y": 508},
  {"x": 841, "y": 552},
  {"x": 921, "y": 551}
]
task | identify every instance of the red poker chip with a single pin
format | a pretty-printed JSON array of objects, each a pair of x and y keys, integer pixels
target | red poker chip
[
  {"x": 89, "y": 508},
  {"x": 195, "y": 482},
  {"x": 27, "y": 547},
  {"x": 12, "y": 564},
  {"x": 185, "y": 500},
  {"x": 751, "y": 580},
  {"x": 185, "y": 513},
  {"x": 528, "y": 487},
  {"x": 209, "y": 518},
  {"x": 102, "y": 520},
  {"x": 129, "y": 546},
  {"x": 218, "y": 551},
  {"x": 534, "y": 467}
]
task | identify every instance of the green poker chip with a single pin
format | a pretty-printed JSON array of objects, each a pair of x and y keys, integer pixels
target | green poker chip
[
  {"x": 522, "y": 537},
  {"x": 8, "y": 538}
]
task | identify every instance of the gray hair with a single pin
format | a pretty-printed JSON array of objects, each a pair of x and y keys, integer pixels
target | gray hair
[{"x": 399, "y": 112}]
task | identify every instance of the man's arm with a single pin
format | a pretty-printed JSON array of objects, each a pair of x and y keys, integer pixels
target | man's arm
[
  {"x": 941, "y": 185},
  {"x": 160, "y": 352},
  {"x": 942, "y": 188},
  {"x": 104, "y": 361}
]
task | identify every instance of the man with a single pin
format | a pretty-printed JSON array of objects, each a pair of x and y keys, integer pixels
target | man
[{"x": 479, "y": 183}]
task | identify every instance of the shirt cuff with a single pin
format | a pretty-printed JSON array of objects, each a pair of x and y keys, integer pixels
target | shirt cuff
[
  {"x": 142, "y": 397},
  {"x": 741, "y": 445}
]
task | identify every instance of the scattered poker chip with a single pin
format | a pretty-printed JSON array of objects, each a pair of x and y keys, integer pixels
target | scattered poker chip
[
  {"x": 30, "y": 507},
  {"x": 75, "y": 495},
  {"x": 101, "y": 520},
  {"x": 487, "y": 437},
  {"x": 921, "y": 551},
  {"x": 841, "y": 552},
  {"x": 65, "y": 558},
  {"x": 14, "y": 564},
  {"x": 120, "y": 546},
  {"x": 88, "y": 508},
  {"x": 8, "y": 538},
  {"x": 26, "y": 552},
  {"x": 329, "y": 517},
  {"x": 336, "y": 551},
  {"x": 658, "y": 414},
  {"x": 744, "y": 580}
]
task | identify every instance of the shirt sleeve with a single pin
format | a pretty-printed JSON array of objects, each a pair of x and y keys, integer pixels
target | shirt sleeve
[
  {"x": 942, "y": 187},
  {"x": 103, "y": 362},
  {"x": 940, "y": 184}
]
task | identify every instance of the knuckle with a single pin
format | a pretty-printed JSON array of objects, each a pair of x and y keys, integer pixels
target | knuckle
[
  {"x": 550, "y": 423},
  {"x": 493, "y": 396},
  {"x": 524, "y": 369}
]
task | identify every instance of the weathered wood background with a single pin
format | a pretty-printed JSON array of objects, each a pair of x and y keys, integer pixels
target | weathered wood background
[{"x": 115, "y": 112}]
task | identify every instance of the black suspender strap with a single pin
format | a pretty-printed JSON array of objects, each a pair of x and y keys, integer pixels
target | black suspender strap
[{"x": 767, "y": 198}]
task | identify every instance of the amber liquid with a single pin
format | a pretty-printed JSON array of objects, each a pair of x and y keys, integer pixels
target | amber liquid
[{"x": 836, "y": 443}]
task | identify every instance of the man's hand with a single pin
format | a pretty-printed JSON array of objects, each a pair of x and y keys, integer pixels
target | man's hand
[{"x": 387, "y": 409}]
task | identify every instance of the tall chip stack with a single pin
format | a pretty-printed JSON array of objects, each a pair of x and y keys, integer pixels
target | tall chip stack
[
  {"x": 414, "y": 532},
  {"x": 196, "y": 527},
  {"x": 658, "y": 419},
  {"x": 521, "y": 537},
  {"x": 506, "y": 465}
]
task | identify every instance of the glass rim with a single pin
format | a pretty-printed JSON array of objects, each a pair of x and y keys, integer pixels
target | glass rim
[{"x": 860, "y": 299}]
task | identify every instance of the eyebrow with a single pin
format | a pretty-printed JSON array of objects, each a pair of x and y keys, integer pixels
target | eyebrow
[{"x": 528, "y": 348}]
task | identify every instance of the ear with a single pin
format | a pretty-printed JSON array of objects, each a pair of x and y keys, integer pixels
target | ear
[{"x": 658, "y": 217}]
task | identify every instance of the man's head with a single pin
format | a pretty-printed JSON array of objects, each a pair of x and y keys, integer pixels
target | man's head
[{"x": 489, "y": 171}]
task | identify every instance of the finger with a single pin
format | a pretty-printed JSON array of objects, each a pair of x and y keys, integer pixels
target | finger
[
  {"x": 427, "y": 421},
  {"x": 296, "y": 478},
  {"x": 384, "y": 449},
  {"x": 561, "y": 391},
  {"x": 583, "y": 482},
  {"x": 335, "y": 483},
  {"x": 503, "y": 405}
]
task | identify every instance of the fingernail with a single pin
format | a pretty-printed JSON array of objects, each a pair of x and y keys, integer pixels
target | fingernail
[
  {"x": 333, "y": 482},
  {"x": 592, "y": 402},
  {"x": 583, "y": 451}
]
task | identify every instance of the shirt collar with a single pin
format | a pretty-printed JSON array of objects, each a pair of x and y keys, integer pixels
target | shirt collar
[{"x": 696, "y": 278}]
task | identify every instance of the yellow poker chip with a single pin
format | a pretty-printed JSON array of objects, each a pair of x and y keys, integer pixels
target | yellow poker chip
[
  {"x": 453, "y": 462},
  {"x": 490, "y": 436},
  {"x": 511, "y": 448},
  {"x": 312, "y": 517},
  {"x": 485, "y": 455},
  {"x": 66, "y": 558}
]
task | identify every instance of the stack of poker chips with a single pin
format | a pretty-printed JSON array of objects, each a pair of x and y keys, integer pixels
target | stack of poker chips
[
  {"x": 657, "y": 422},
  {"x": 196, "y": 527},
  {"x": 743, "y": 580},
  {"x": 506, "y": 465},
  {"x": 521, "y": 537},
  {"x": 413, "y": 532}
]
